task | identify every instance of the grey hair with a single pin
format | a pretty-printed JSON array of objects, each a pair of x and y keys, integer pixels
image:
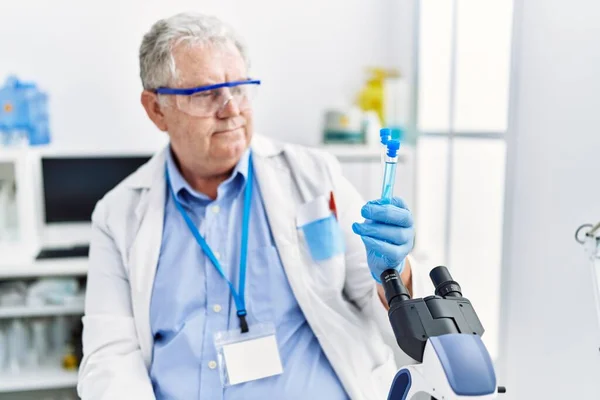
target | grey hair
[{"x": 157, "y": 64}]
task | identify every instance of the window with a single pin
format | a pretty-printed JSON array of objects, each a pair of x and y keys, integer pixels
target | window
[{"x": 464, "y": 65}]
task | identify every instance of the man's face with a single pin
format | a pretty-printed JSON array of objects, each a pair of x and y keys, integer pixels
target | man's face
[{"x": 213, "y": 144}]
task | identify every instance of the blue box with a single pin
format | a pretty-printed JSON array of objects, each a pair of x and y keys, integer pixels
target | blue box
[{"x": 24, "y": 108}]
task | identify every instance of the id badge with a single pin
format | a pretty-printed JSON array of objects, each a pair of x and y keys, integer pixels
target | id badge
[{"x": 245, "y": 357}]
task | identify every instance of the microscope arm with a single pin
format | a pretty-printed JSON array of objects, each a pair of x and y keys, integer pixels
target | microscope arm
[{"x": 454, "y": 367}]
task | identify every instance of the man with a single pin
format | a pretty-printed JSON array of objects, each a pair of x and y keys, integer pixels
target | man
[{"x": 226, "y": 231}]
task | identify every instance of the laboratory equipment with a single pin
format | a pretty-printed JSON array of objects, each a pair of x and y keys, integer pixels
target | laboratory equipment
[
  {"x": 13, "y": 294},
  {"x": 8, "y": 211},
  {"x": 372, "y": 96},
  {"x": 18, "y": 339},
  {"x": 4, "y": 206},
  {"x": 59, "y": 334},
  {"x": 23, "y": 114},
  {"x": 384, "y": 214},
  {"x": 54, "y": 291},
  {"x": 71, "y": 187},
  {"x": 344, "y": 126},
  {"x": 3, "y": 345},
  {"x": 443, "y": 334},
  {"x": 30, "y": 343},
  {"x": 385, "y": 134},
  {"x": 381, "y": 257},
  {"x": 588, "y": 235},
  {"x": 359, "y": 121},
  {"x": 39, "y": 341},
  {"x": 389, "y": 173}
]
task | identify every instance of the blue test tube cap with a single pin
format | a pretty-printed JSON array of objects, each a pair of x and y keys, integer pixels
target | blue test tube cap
[
  {"x": 393, "y": 145},
  {"x": 385, "y": 134}
]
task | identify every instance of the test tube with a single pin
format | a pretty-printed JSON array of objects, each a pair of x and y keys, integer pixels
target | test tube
[
  {"x": 389, "y": 171},
  {"x": 39, "y": 345},
  {"x": 390, "y": 278},
  {"x": 17, "y": 345}
]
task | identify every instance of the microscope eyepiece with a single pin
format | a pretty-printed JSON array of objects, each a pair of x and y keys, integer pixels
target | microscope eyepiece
[
  {"x": 445, "y": 286},
  {"x": 393, "y": 287}
]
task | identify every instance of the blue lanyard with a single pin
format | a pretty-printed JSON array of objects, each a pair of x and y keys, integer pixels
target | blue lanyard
[{"x": 240, "y": 302}]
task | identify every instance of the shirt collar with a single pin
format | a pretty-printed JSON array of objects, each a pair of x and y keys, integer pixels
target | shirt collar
[{"x": 179, "y": 185}]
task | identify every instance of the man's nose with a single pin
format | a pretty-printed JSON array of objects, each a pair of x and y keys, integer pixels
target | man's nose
[{"x": 229, "y": 108}]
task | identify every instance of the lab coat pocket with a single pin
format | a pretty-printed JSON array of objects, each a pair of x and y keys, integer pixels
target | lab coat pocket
[
  {"x": 321, "y": 230},
  {"x": 322, "y": 242}
]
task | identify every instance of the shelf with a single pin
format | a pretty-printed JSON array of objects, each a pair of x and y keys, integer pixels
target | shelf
[
  {"x": 12, "y": 155},
  {"x": 33, "y": 269},
  {"x": 39, "y": 311},
  {"x": 43, "y": 378},
  {"x": 349, "y": 152}
]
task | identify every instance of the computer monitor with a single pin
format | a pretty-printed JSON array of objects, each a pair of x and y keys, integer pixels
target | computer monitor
[{"x": 71, "y": 187}]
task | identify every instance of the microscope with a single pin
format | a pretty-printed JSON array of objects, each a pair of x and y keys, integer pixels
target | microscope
[{"x": 443, "y": 334}]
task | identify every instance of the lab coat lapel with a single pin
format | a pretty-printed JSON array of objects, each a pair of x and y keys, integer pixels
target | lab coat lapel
[
  {"x": 281, "y": 198},
  {"x": 275, "y": 183},
  {"x": 144, "y": 255}
]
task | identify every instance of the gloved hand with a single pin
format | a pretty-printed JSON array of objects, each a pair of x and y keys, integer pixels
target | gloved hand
[{"x": 387, "y": 233}]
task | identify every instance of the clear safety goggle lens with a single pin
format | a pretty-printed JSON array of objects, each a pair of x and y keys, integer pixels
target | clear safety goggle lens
[{"x": 210, "y": 102}]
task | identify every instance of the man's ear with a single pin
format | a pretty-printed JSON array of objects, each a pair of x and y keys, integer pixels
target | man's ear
[{"x": 153, "y": 109}]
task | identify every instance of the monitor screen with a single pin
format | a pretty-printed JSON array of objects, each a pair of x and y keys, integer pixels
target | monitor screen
[{"x": 73, "y": 185}]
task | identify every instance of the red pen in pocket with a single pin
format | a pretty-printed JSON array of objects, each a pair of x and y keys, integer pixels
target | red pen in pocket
[{"x": 332, "y": 206}]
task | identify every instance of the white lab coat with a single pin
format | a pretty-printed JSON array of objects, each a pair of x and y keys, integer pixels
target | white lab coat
[{"x": 338, "y": 297}]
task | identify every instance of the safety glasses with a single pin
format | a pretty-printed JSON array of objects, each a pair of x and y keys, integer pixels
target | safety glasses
[{"x": 208, "y": 101}]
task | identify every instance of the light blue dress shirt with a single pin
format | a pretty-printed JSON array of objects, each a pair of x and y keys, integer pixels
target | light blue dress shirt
[{"x": 190, "y": 301}]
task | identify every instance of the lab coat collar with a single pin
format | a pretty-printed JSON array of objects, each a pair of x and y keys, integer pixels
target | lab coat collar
[
  {"x": 178, "y": 183},
  {"x": 146, "y": 176}
]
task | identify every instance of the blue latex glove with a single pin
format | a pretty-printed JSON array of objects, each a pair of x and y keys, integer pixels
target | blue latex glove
[{"x": 387, "y": 233}]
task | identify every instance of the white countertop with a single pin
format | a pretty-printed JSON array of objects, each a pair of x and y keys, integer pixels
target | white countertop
[
  {"x": 42, "y": 378},
  {"x": 27, "y": 267}
]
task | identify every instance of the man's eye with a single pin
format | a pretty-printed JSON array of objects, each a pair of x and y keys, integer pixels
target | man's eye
[{"x": 206, "y": 93}]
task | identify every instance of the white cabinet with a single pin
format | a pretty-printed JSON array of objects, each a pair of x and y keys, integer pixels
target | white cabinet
[{"x": 17, "y": 173}]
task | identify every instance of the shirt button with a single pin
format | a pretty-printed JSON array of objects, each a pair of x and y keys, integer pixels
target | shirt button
[
  {"x": 217, "y": 308},
  {"x": 215, "y": 209},
  {"x": 217, "y": 255},
  {"x": 212, "y": 364}
]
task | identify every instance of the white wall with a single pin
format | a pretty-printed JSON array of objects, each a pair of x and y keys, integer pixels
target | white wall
[
  {"x": 309, "y": 54},
  {"x": 551, "y": 340}
]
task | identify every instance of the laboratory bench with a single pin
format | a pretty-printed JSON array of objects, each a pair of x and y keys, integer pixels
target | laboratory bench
[
  {"x": 38, "y": 378},
  {"x": 29, "y": 267}
]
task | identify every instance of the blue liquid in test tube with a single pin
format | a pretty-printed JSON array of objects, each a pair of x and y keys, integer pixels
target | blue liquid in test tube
[{"x": 389, "y": 172}]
